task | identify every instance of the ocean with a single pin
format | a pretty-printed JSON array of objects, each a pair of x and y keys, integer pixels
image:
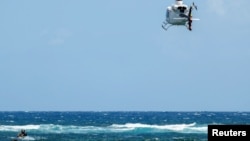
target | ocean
[{"x": 114, "y": 126}]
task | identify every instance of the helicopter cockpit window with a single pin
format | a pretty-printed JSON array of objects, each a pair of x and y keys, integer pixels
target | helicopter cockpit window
[
  {"x": 182, "y": 9},
  {"x": 168, "y": 14}
]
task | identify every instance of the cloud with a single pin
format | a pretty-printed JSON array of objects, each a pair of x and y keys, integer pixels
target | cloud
[
  {"x": 56, "y": 41},
  {"x": 60, "y": 36},
  {"x": 217, "y": 6},
  {"x": 63, "y": 32},
  {"x": 228, "y": 7},
  {"x": 57, "y": 36}
]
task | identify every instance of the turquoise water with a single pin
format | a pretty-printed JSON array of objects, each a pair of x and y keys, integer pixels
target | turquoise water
[{"x": 115, "y": 126}]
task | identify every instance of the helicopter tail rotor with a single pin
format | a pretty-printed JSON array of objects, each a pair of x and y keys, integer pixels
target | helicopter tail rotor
[{"x": 196, "y": 8}]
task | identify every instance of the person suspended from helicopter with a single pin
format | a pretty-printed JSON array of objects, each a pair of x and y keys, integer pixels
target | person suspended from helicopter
[{"x": 190, "y": 18}]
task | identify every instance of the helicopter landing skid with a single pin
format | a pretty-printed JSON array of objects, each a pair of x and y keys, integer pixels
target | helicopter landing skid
[{"x": 165, "y": 26}]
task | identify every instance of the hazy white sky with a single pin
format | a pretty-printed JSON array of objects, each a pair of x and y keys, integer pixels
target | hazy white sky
[{"x": 113, "y": 55}]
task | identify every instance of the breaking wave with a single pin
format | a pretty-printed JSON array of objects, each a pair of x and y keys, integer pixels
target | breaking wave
[
  {"x": 27, "y": 138},
  {"x": 115, "y": 128}
]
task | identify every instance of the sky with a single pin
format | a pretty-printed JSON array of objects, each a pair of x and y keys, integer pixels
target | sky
[{"x": 113, "y": 55}]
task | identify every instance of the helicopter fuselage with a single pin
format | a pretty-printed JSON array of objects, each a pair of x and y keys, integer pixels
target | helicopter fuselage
[
  {"x": 176, "y": 14},
  {"x": 179, "y": 14}
]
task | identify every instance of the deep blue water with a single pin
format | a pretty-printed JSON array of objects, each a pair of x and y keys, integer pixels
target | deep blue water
[{"x": 115, "y": 126}]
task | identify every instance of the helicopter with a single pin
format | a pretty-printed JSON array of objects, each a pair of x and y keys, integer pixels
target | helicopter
[{"x": 179, "y": 14}]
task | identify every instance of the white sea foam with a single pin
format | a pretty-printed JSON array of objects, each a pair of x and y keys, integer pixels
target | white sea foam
[
  {"x": 184, "y": 128},
  {"x": 18, "y": 127},
  {"x": 27, "y": 138},
  {"x": 129, "y": 127}
]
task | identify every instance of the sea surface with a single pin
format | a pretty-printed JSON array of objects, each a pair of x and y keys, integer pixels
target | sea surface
[{"x": 115, "y": 126}]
